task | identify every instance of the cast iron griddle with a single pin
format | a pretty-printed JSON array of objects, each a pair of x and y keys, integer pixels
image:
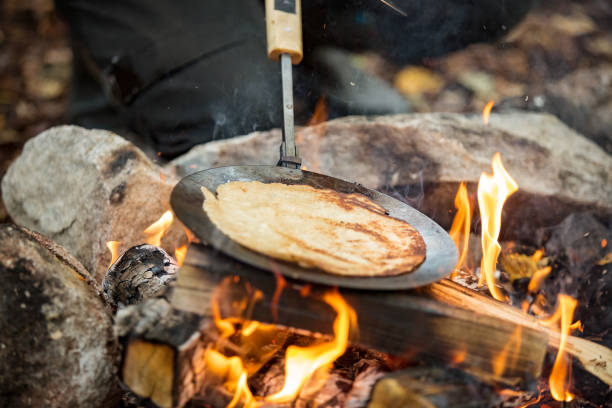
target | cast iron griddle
[{"x": 187, "y": 200}]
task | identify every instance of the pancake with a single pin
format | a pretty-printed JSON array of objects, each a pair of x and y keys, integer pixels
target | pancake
[{"x": 343, "y": 234}]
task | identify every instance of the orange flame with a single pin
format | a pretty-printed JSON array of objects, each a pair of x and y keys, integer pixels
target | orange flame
[
  {"x": 156, "y": 231},
  {"x": 537, "y": 278},
  {"x": 493, "y": 190},
  {"x": 113, "y": 247},
  {"x": 234, "y": 376},
  {"x": 225, "y": 326},
  {"x": 190, "y": 236},
  {"x": 280, "y": 285},
  {"x": 486, "y": 112},
  {"x": 179, "y": 254},
  {"x": 604, "y": 243},
  {"x": 319, "y": 116},
  {"x": 459, "y": 355},
  {"x": 250, "y": 327},
  {"x": 555, "y": 318},
  {"x": 560, "y": 377},
  {"x": 320, "y": 112},
  {"x": 302, "y": 362},
  {"x": 500, "y": 362},
  {"x": 460, "y": 229}
]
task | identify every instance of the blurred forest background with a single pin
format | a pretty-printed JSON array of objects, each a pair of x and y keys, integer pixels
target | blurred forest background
[{"x": 559, "y": 59}]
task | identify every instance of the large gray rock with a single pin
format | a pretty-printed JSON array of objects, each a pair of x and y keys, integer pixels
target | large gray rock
[
  {"x": 83, "y": 188},
  {"x": 57, "y": 347},
  {"x": 422, "y": 157}
]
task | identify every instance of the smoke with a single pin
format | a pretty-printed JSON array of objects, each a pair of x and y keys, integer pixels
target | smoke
[{"x": 412, "y": 194}]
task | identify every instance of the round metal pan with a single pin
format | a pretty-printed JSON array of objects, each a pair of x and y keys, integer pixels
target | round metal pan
[{"x": 187, "y": 200}]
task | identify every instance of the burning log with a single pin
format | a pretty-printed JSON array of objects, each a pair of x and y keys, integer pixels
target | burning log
[
  {"x": 423, "y": 157},
  {"x": 164, "y": 358},
  {"x": 142, "y": 272},
  {"x": 399, "y": 323},
  {"x": 163, "y": 351},
  {"x": 348, "y": 384},
  {"x": 57, "y": 347},
  {"x": 594, "y": 358}
]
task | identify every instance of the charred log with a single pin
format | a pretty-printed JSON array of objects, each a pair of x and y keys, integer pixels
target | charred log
[
  {"x": 348, "y": 384},
  {"x": 142, "y": 272}
]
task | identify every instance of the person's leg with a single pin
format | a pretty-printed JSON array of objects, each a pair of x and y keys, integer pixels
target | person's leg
[
  {"x": 231, "y": 92},
  {"x": 181, "y": 73}
]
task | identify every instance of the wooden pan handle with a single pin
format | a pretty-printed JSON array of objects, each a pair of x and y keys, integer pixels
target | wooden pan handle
[{"x": 284, "y": 29}]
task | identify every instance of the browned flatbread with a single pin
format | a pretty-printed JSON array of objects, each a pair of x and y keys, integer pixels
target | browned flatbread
[{"x": 344, "y": 234}]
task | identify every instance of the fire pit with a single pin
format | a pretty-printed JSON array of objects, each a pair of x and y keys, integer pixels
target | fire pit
[
  {"x": 208, "y": 330},
  {"x": 109, "y": 300}
]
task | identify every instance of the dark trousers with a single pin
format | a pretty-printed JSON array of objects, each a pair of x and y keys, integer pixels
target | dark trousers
[{"x": 184, "y": 72}]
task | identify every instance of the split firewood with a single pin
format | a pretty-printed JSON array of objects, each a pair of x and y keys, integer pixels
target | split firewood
[
  {"x": 594, "y": 357},
  {"x": 57, "y": 347},
  {"x": 162, "y": 351},
  {"x": 401, "y": 323},
  {"x": 142, "y": 272}
]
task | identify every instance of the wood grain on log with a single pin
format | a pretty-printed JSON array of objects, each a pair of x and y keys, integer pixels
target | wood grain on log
[
  {"x": 163, "y": 351},
  {"x": 393, "y": 322},
  {"x": 594, "y": 357}
]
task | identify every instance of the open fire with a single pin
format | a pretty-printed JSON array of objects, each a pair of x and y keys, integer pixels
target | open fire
[
  {"x": 108, "y": 301},
  {"x": 307, "y": 366},
  {"x": 304, "y": 366},
  {"x": 493, "y": 190}
]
